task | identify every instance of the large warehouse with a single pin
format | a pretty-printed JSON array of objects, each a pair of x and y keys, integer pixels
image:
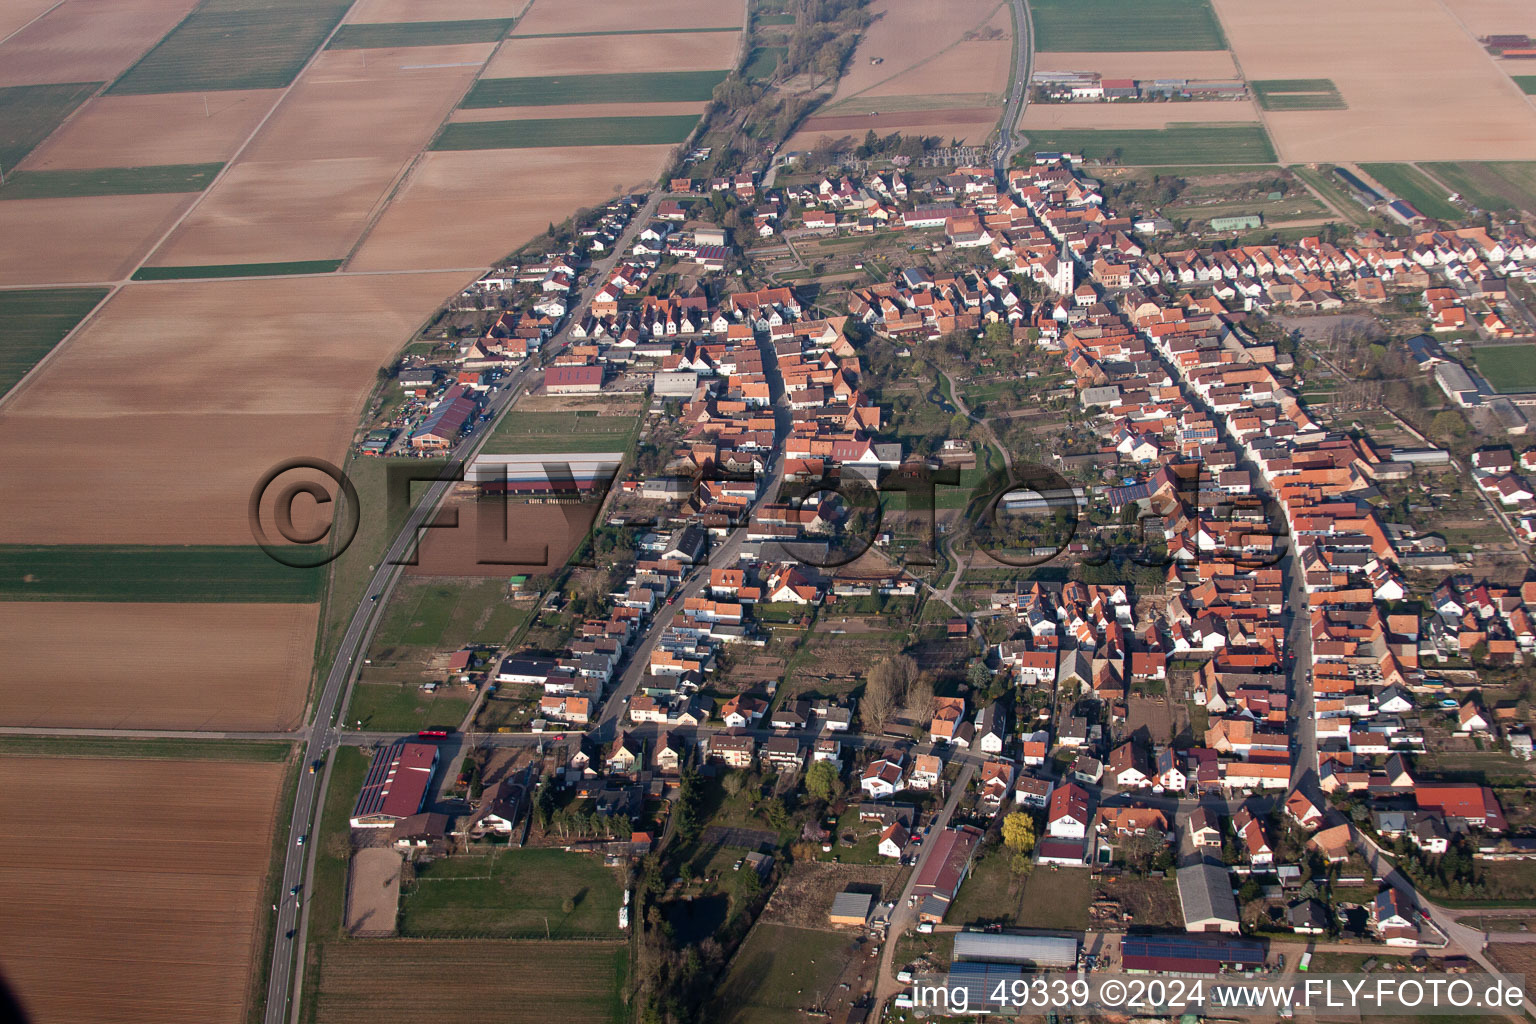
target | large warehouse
[
  {"x": 572, "y": 473},
  {"x": 1180, "y": 954},
  {"x": 1025, "y": 950}
]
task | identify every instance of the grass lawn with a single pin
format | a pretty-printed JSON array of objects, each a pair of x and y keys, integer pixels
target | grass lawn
[
  {"x": 30, "y": 113},
  {"x": 419, "y": 33},
  {"x": 150, "y": 573},
  {"x": 109, "y": 181},
  {"x": 237, "y": 270},
  {"x": 779, "y": 971},
  {"x": 511, "y": 894},
  {"x": 762, "y": 62},
  {"x": 1297, "y": 94},
  {"x": 1492, "y": 186},
  {"x": 1057, "y": 898},
  {"x": 1177, "y": 144},
  {"x": 1084, "y": 25},
  {"x": 235, "y": 44},
  {"x": 1410, "y": 183},
  {"x": 35, "y": 321},
  {"x": 636, "y": 87},
  {"x": 539, "y": 133},
  {"x": 449, "y": 615},
  {"x": 406, "y": 707},
  {"x": 560, "y": 433},
  {"x": 1508, "y": 367},
  {"x": 155, "y": 750}
]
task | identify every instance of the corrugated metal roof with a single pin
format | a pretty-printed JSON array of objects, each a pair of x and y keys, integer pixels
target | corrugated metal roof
[
  {"x": 1205, "y": 893},
  {"x": 851, "y": 904},
  {"x": 1036, "y": 950}
]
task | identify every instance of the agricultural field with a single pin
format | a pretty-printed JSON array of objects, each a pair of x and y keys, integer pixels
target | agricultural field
[
  {"x": 235, "y": 44},
  {"x": 1527, "y": 83},
  {"x": 1458, "y": 106},
  {"x": 781, "y": 971},
  {"x": 1297, "y": 94},
  {"x": 540, "y": 433},
  {"x": 638, "y": 87},
  {"x": 560, "y": 17},
  {"x": 369, "y": 12},
  {"x": 543, "y": 133},
  {"x": 495, "y": 540},
  {"x": 405, "y": 706},
  {"x": 145, "y": 666},
  {"x": 87, "y": 42},
  {"x": 156, "y": 130},
  {"x": 381, "y": 981},
  {"x": 103, "y": 435},
  {"x": 1409, "y": 183},
  {"x": 578, "y": 55},
  {"x": 468, "y": 189},
  {"x": 326, "y": 161},
  {"x": 286, "y": 268},
  {"x": 96, "y": 572},
  {"x": 108, "y": 181},
  {"x": 35, "y": 321},
  {"x": 30, "y": 113},
  {"x": 1181, "y": 144},
  {"x": 1048, "y": 117},
  {"x": 1509, "y": 368},
  {"x": 85, "y": 239},
  {"x": 1083, "y": 25},
  {"x": 507, "y": 893},
  {"x": 426, "y": 613},
  {"x": 1492, "y": 186},
  {"x": 1198, "y": 64},
  {"x": 354, "y": 36},
  {"x": 158, "y": 924}
]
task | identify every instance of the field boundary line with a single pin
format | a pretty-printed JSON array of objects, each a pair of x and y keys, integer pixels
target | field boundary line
[
  {"x": 34, "y": 21},
  {"x": 1253, "y": 100}
]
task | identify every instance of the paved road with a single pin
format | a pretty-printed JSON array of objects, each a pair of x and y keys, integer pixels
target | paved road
[
  {"x": 284, "y": 986},
  {"x": 1018, "y": 98}
]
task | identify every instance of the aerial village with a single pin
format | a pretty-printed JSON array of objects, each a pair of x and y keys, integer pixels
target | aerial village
[{"x": 1236, "y": 734}]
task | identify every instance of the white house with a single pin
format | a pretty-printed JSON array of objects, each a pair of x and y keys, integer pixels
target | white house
[{"x": 1067, "y": 817}]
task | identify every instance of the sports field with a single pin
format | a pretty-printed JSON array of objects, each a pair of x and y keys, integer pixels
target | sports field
[
  {"x": 288, "y": 267},
  {"x": 538, "y": 433},
  {"x": 1503, "y": 185},
  {"x": 30, "y": 113},
  {"x": 1297, "y": 94},
  {"x": 641, "y": 87},
  {"x": 1176, "y": 144},
  {"x": 383, "y": 980},
  {"x": 108, "y": 181},
  {"x": 540, "y": 133},
  {"x": 1126, "y": 25},
  {"x": 513, "y": 894},
  {"x": 1407, "y": 182},
  {"x": 418, "y": 33},
  {"x": 1509, "y": 368},
  {"x": 235, "y": 44},
  {"x": 36, "y": 320},
  {"x": 100, "y": 572}
]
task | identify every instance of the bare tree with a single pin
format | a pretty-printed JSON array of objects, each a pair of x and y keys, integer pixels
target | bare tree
[{"x": 919, "y": 700}]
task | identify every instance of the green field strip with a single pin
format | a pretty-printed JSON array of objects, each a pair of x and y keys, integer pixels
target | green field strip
[
  {"x": 1409, "y": 183},
  {"x": 1125, "y": 25},
  {"x": 1268, "y": 86},
  {"x": 235, "y": 44},
  {"x": 291, "y": 267},
  {"x": 144, "y": 750},
  {"x": 1178, "y": 144},
  {"x": 543, "y": 133},
  {"x": 35, "y": 320},
  {"x": 30, "y": 113},
  {"x": 1510, "y": 369},
  {"x": 153, "y": 574},
  {"x": 625, "y": 32},
  {"x": 1304, "y": 101},
  {"x": 109, "y": 181},
  {"x": 763, "y": 61},
  {"x": 1493, "y": 185},
  {"x": 1527, "y": 83},
  {"x": 638, "y": 87},
  {"x": 386, "y": 35}
]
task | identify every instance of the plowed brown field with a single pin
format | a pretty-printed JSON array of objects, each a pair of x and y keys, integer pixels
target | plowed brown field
[
  {"x": 153, "y": 424},
  {"x": 85, "y": 41},
  {"x": 495, "y": 200},
  {"x": 155, "y": 921},
  {"x": 551, "y": 16},
  {"x": 155, "y": 666},
  {"x": 92, "y": 238},
  {"x": 139, "y": 131},
  {"x": 580, "y": 55}
]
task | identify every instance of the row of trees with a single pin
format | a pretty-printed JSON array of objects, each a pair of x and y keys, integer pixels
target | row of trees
[{"x": 894, "y": 683}]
